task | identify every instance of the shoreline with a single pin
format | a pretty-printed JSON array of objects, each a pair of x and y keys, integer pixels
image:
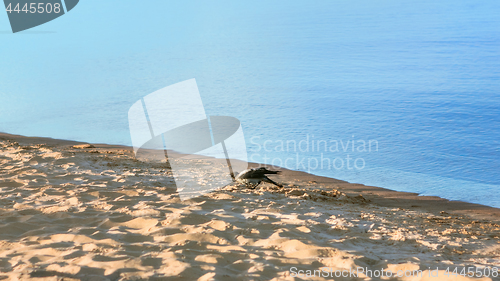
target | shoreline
[
  {"x": 377, "y": 195},
  {"x": 81, "y": 211}
]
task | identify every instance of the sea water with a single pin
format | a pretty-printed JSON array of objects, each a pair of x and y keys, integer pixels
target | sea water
[{"x": 402, "y": 95}]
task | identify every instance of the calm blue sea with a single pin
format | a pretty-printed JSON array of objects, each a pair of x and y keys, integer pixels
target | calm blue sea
[{"x": 412, "y": 87}]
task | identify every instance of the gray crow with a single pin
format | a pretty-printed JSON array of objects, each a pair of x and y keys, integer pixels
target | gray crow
[{"x": 253, "y": 177}]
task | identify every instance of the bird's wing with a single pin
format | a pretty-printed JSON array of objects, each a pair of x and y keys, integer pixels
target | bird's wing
[
  {"x": 265, "y": 171},
  {"x": 256, "y": 173}
]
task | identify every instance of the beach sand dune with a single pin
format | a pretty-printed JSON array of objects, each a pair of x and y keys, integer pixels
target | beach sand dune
[{"x": 93, "y": 212}]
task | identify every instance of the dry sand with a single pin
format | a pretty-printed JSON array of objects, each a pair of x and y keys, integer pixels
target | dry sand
[{"x": 92, "y": 212}]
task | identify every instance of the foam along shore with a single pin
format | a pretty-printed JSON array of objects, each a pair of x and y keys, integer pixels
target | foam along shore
[{"x": 93, "y": 212}]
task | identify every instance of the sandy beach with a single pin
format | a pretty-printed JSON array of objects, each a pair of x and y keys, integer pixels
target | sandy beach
[{"x": 76, "y": 211}]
